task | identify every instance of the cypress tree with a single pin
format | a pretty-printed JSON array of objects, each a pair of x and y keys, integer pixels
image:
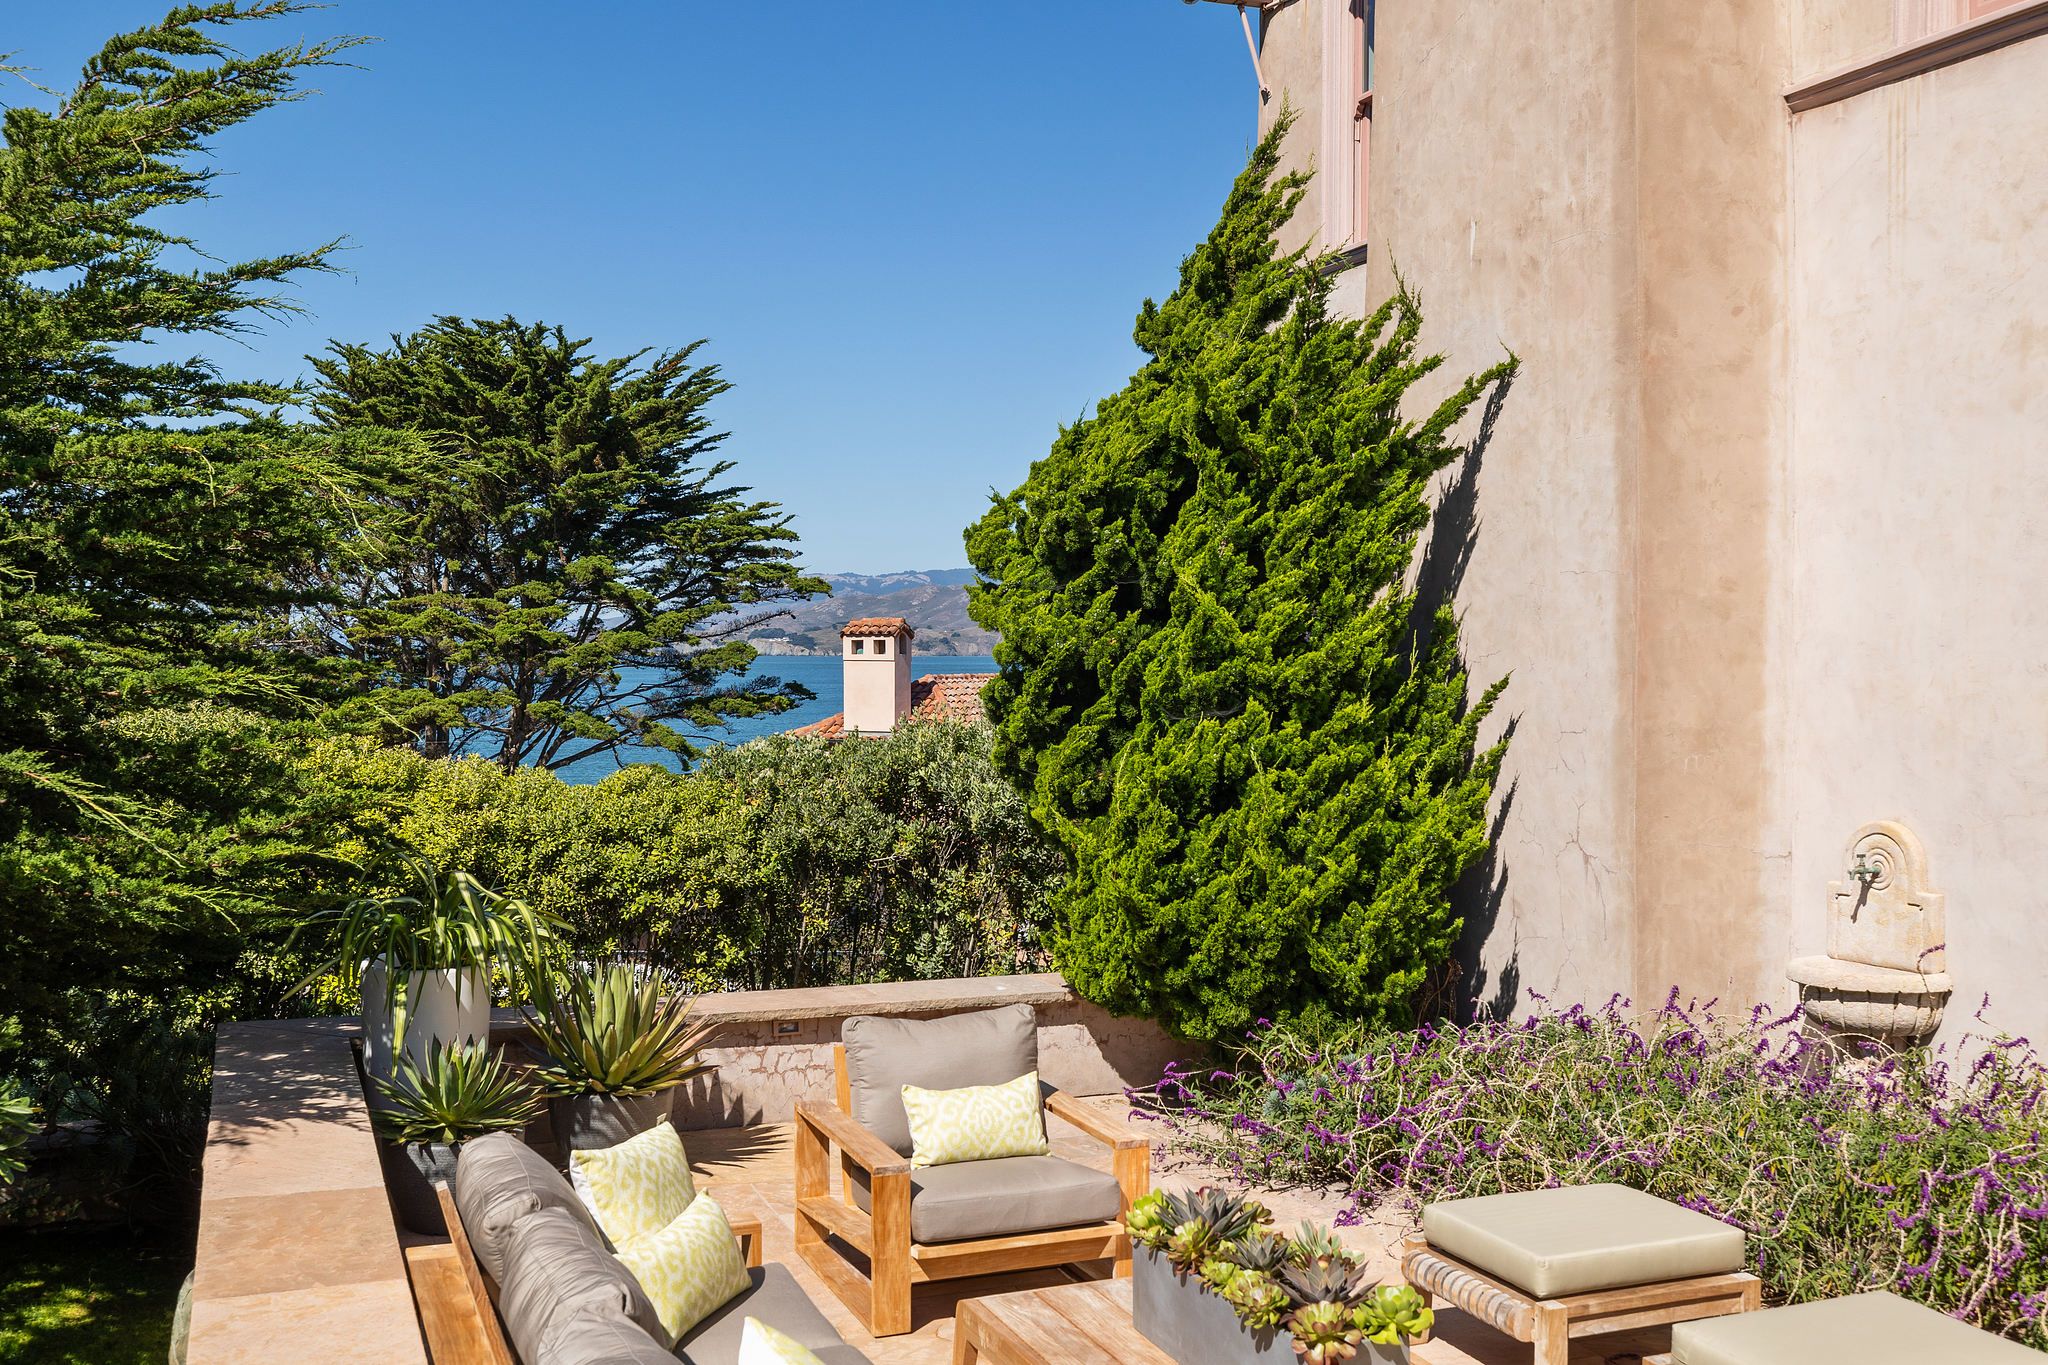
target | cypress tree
[
  {"x": 151, "y": 517},
  {"x": 1217, "y": 689},
  {"x": 564, "y": 570}
]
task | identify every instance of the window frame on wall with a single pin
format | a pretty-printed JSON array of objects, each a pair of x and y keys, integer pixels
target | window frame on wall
[{"x": 1344, "y": 162}]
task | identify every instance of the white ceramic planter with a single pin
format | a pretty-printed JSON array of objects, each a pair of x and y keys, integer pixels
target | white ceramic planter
[{"x": 449, "y": 1005}]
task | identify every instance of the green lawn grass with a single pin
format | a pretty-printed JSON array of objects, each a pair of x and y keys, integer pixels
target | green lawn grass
[{"x": 88, "y": 1296}]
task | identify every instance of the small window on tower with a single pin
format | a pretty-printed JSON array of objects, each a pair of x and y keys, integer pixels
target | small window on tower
[
  {"x": 881, "y": 646},
  {"x": 860, "y": 646}
]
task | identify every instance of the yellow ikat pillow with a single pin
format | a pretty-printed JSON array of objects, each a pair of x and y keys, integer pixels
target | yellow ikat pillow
[
  {"x": 690, "y": 1268},
  {"x": 638, "y": 1187},
  {"x": 761, "y": 1344},
  {"x": 976, "y": 1123}
]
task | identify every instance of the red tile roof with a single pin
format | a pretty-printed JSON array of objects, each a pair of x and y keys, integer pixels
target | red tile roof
[
  {"x": 878, "y": 625},
  {"x": 935, "y": 696}
]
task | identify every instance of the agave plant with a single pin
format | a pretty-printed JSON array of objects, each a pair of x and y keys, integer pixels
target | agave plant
[
  {"x": 17, "y": 1121},
  {"x": 463, "y": 1091},
  {"x": 615, "y": 1029}
]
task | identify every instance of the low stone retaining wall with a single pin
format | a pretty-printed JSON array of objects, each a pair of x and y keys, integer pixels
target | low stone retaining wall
[{"x": 299, "y": 1256}]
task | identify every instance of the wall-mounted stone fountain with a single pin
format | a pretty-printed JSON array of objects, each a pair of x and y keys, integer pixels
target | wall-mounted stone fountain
[{"x": 1885, "y": 976}]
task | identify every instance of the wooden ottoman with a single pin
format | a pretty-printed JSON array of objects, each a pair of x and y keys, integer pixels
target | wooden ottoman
[
  {"x": 1545, "y": 1266},
  {"x": 1863, "y": 1329}
]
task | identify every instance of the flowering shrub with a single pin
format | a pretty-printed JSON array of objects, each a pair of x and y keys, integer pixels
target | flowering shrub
[{"x": 1922, "y": 1173}]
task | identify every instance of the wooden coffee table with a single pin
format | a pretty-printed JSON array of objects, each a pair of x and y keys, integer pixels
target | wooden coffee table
[{"x": 1068, "y": 1324}]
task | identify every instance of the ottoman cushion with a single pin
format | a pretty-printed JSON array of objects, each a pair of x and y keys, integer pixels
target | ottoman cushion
[
  {"x": 1581, "y": 1238},
  {"x": 1863, "y": 1329}
]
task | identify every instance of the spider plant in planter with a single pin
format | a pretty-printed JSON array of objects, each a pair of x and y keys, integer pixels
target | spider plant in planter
[
  {"x": 618, "y": 1042},
  {"x": 426, "y": 960},
  {"x": 462, "y": 1091}
]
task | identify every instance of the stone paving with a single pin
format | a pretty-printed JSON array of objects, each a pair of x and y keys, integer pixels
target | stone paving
[{"x": 750, "y": 1170}]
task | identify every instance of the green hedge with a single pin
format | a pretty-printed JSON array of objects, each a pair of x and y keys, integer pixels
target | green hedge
[{"x": 780, "y": 863}]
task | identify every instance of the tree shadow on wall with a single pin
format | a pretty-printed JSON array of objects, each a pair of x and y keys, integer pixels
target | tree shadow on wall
[{"x": 1470, "y": 989}]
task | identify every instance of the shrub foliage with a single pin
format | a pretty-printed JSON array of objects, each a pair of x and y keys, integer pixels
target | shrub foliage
[
  {"x": 1919, "y": 1173},
  {"x": 1250, "y": 737},
  {"x": 780, "y": 863}
]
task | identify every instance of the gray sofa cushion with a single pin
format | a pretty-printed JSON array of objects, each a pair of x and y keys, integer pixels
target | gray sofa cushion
[
  {"x": 592, "y": 1338},
  {"x": 986, "y": 1047},
  {"x": 498, "y": 1181},
  {"x": 1863, "y": 1329},
  {"x": 1579, "y": 1238},
  {"x": 555, "y": 1268},
  {"x": 776, "y": 1299},
  {"x": 970, "y": 1199}
]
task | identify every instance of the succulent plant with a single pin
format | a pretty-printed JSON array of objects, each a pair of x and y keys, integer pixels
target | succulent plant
[
  {"x": 1219, "y": 1273},
  {"x": 1260, "y": 1250},
  {"x": 1323, "y": 1332},
  {"x": 616, "y": 1028},
  {"x": 1258, "y": 1298},
  {"x": 1312, "y": 1243},
  {"x": 1146, "y": 1221},
  {"x": 1393, "y": 1315},
  {"x": 1204, "y": 1221},
  {"x": 463, "y": 1091},
  {"x": 1327, "y": 1279}
]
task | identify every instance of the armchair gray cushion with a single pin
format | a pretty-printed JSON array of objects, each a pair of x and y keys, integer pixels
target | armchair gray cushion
[
  {"x": 590, "y": 1338},
  {"x": 986, "y": 1047},
  {"x": 972, "y": 1199},
  {"x": 1867, "y": 1329},
  {"x": 500, "y": 1180},
  {"x": 556, "y": 1269}
]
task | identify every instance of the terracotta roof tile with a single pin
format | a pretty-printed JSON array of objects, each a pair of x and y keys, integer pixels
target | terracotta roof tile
[
  {"x": 879, "y": 625},
  {"x": 935, "y": 696}
]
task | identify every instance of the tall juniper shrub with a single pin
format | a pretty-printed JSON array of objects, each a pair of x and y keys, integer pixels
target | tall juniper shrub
[{"x": 1922, "y": 1173}]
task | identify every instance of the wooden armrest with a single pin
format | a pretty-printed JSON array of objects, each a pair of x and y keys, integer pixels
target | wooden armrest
[
  {"x": 748, "y": 1230},
  {"x": 861, "y": 1147},
  {"x": 1096, "y": 1124}
]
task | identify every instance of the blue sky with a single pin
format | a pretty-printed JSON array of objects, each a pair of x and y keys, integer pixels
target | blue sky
[{"x": 915, "y": 234}]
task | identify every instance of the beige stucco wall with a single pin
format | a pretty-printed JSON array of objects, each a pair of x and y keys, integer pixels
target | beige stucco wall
[
  {"x": 1757, "y": 531},
  {"x": 1540, "y": 265},
  {"x": 1914, "y": 676}
]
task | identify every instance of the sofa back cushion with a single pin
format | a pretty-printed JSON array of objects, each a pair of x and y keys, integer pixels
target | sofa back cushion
[
  {"x": 500, "y": 1180},
  {"x": 986, "y": 1047},
  {"x": 557, "y": 1269}
]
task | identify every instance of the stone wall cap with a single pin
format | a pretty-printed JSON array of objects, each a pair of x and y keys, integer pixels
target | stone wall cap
[{"x": 888, "y": 997}]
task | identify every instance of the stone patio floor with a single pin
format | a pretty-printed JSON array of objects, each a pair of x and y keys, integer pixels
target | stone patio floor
[{"x": 751, "y": 1171}]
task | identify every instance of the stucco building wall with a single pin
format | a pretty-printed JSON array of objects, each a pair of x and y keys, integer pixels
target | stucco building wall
[
  {"x": 1756, "y": 530},
  {"x": 1915, "y": 670}
]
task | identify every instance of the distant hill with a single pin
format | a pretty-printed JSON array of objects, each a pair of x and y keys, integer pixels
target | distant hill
[{"x": 934, "y": 601}]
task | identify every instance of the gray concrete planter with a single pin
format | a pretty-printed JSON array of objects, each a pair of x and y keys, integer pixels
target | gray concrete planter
[
  {"x": 1179, "y": 1315},
  {"x": 583, "y": 1122},
  {"x": 411, "y": 1171}
]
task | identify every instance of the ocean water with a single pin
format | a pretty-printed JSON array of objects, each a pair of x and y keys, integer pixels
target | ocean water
[{"x": 819, "y": 672}]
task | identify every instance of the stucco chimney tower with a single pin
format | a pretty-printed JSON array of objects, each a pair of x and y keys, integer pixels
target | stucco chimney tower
[{"x": 874, "y": 654}]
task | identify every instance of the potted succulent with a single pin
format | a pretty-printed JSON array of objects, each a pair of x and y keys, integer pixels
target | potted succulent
[
  {"x": 425, "y": 961},
  {"x": 462, "y": 1091},
  {"x": 618, "y": 1042},
  {"x": 1213, "y": 1285}
]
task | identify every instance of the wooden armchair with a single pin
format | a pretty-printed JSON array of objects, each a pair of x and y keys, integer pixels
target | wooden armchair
[{"x": 878, "y": 1176}]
